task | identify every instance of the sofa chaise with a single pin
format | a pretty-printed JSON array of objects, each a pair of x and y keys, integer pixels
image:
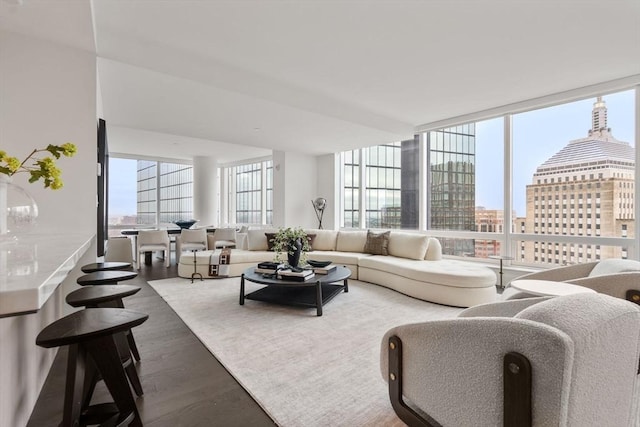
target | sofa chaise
[{"x": 414, "y": 265}]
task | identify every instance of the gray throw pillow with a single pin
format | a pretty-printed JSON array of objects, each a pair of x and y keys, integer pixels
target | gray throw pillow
[{"x": 377, "y": 244}]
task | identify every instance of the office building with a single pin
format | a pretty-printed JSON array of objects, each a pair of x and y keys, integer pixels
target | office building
[{"x": 585, "y": 189}]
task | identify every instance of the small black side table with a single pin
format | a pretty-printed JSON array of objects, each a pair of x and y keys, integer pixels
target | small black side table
[
  {"x": 195, "y": 267},
  {"x": 500, "y": 272}
]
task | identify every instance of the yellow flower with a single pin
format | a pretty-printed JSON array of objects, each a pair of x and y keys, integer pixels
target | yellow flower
[
  {"x": 39, "y": 168},
  {"x": 13, "y": 163},
  {"x": 68, "y": 149}
]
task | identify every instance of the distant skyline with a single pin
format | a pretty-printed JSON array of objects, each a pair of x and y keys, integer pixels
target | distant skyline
[{"x": 537, "y": 136}]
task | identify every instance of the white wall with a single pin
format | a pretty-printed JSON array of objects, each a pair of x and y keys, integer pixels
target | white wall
[
  {"x": 47, "y": 96},
  {"x": 294, "y": 186}
]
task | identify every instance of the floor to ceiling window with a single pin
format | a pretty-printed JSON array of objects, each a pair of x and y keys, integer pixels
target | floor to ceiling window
[
  {"x": 570, "y": 171},
  {"x": 148, "y": 192},
  {"x": 250, "y": 193},
  {"x": 576, "y": 164}
]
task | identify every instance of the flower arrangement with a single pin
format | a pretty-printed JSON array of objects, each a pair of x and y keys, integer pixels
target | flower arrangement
[
  {"x": 288, "y": 240},
  {"x": 39, "y": 167}
]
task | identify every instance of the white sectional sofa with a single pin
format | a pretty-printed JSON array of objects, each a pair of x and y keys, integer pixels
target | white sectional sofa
[{"x": 414, "y": 265}]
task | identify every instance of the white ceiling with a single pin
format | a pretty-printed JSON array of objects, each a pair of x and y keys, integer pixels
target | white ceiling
[{"x": 320, "y": 76}]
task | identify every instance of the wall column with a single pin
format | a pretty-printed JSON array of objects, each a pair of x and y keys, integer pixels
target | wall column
[
  {"x": 205, "y": 190},
  {"x": 294, "y": 186}
]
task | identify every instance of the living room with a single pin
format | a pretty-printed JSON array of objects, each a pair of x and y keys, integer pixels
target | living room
[{"x": 226, "y": 83}]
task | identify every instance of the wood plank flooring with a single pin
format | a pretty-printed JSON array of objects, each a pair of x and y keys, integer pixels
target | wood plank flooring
[{"x": 183, "y": 383}]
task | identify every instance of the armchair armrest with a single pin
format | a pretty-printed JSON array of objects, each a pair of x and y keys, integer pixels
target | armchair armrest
[
  {"x": 501, "y": 309},
  {"x": 561, "y": 274},
  {"x": 615, "y": 285},
  {"x": 453, "y": 369}
]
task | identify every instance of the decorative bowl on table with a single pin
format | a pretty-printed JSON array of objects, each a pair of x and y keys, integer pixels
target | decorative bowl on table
[
  {"x": 318, "y": 264},
  {"x": 185, "y": 223}
]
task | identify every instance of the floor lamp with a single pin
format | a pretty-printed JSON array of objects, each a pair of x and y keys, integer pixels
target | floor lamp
[{"x": 318, "y": 205}]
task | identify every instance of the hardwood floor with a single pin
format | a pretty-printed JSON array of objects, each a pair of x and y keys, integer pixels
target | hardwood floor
[{"x": 183, "y": 383}]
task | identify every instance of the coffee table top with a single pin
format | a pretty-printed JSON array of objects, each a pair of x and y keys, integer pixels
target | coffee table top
[
  {"x": 549, "y": 288},
  {"x": 340, "y": 273}
]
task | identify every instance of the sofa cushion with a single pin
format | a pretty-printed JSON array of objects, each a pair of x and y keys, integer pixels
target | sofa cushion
[
  {"x": 434, "y": 250},
  {"x": 377, "y": 243},
  {"x": 351, "y": 241},
  {"x": 325, "y": 240},
  {"x": 614, "y": 266},
  {"x": 408, "y": 245},
  {"x": 336, "y": 257},
  {"x": 257, "y": 240},
  {"x": 449, "y": 272}
]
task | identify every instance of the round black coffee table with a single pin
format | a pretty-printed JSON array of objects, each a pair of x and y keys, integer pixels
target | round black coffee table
[{"x": 314, "y": 292}]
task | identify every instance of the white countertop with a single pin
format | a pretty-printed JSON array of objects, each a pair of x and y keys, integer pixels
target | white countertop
[{"x": 33, "y": 267}]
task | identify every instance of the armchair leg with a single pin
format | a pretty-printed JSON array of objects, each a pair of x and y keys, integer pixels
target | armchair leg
[
  {"x": 517, "y": 390},
  {"x": 406, "y": 414},
  {"x": 633, "y": 296}
]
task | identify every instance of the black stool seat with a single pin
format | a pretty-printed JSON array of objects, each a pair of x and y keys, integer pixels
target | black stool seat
[
  {"x": 91, "y": 337},
  {"x": 105, "y": 266},
  {"x": 88, "y": 324},
  {"x": 105, "y": 277},
  {"x": 95, "y": 296},
  {"x": 108, "y": 296}
]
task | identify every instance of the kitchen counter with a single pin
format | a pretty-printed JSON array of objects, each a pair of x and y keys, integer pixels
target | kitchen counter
[{"x": 33, "y": 267}]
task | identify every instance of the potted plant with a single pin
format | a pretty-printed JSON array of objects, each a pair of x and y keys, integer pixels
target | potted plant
[{"x": 292, "y": 241}]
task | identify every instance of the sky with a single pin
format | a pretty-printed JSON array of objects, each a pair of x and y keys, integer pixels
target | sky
[
  {"x": 537, "y": 135},
  {"x": 122, "y": 186}
]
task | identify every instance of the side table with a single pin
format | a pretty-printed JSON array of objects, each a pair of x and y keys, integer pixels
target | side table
[{"x": 500, "y": 272}]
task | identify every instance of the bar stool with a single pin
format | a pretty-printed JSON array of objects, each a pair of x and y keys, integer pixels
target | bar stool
[
  {"x": 107, "y": 296},
  {"x": 105, "y": 277},
  {"x": 91, "y": 332},
  {"x": 105, "y": 266}
]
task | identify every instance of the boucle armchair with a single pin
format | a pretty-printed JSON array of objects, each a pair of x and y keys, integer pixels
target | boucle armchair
[
  {"x": 616, "y": 277},
  {"x": 565, "y": 361},
  {"x": 191, "y": 240}
]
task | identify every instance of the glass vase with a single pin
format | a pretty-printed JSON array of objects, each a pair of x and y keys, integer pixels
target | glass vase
[{"x": 18, "y": 211}]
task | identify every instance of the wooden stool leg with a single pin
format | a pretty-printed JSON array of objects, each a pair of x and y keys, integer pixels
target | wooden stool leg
[
  {"x": 73, "y": 393},
  {"x": 127, "y": 361},
  {"x": 132, "y": 345},
  {"x": 91, "y": 378},
  {"x": 105, "y": 354}
]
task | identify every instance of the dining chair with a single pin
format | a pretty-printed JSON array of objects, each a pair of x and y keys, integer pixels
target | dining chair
[{"x": 151, "y": 241}]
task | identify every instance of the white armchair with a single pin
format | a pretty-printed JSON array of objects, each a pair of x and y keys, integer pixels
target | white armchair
[
  {"x": 616, "y": 277},
  {"x": 191, "y": 240},
  {"x": 151, "y": 241},
  {"x": 565, "y": 361},
  {"x": 119, "y": 249},
  {"x": 224, "y": 238}
]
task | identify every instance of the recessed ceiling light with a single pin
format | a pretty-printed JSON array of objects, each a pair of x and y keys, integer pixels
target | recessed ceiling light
[{"x": 256, "y": 129}]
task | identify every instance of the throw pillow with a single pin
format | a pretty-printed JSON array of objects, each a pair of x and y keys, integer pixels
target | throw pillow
[
  {"x": 377, "y": 244},
  {"x": 311, "y": 238},
  {"x": 270, "y": 237}
]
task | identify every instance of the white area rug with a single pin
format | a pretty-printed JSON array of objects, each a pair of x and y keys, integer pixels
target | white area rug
[{"x": 302, "y": 369}]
